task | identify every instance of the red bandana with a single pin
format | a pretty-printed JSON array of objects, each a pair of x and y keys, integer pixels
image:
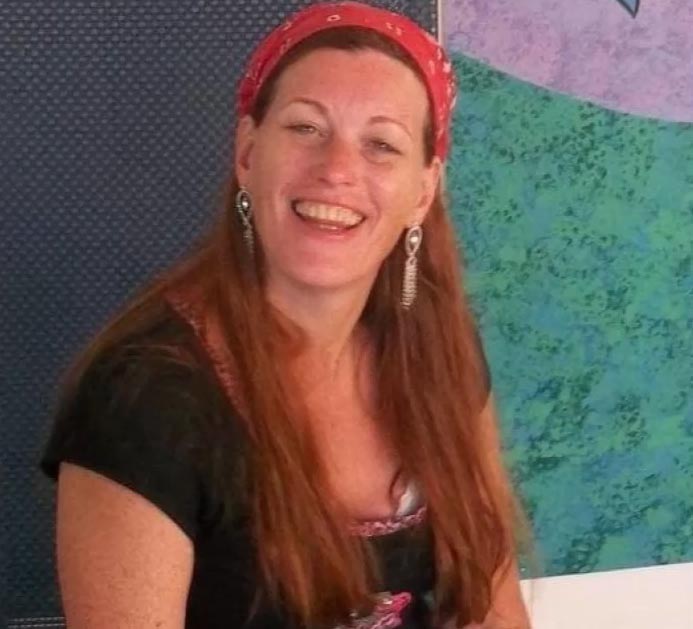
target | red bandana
[{"x": 421, "y": 46}]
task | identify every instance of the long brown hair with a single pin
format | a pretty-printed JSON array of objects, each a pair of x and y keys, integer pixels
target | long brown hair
[{"x": 431, "y": 393}]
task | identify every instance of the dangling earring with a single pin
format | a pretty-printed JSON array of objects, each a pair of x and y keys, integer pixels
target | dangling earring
[
  {"x": 244, "y": 207},
  {"x": 412, "y": 243}
]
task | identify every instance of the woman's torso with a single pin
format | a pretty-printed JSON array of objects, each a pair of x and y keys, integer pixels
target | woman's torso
[
  {"x": 364, "y": 474},
  {"x": 205, "y": 444}
]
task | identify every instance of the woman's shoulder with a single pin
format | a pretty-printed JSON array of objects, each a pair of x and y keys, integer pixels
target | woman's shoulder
[
  {"x": 148, "y": 413},
  {"x": 147, "y": 382},
  {"x": 159, "y": 351},
  {"x": 157, "y": 374},
  {"x": 161, "y": 338}
]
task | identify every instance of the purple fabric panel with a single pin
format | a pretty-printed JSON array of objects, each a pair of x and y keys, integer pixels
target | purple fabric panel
[{"x": 591, "y": 49}]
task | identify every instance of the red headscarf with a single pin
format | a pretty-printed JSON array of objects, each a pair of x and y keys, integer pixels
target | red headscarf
[{"x": 421, "y": 46}]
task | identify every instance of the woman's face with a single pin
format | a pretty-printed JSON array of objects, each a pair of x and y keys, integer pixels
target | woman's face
[{"x": 337, "y": 168}]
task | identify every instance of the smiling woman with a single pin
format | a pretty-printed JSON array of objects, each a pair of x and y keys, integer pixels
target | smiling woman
[
  {"x": 354, "y": 176},
  {"x": 293, "y": 427}
]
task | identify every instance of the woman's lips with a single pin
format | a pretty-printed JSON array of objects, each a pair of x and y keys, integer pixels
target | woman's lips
[{"x": 327, "y": 216}]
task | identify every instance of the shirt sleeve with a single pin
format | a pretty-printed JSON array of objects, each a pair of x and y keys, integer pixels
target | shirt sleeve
[{"x": 136, "y": 422}]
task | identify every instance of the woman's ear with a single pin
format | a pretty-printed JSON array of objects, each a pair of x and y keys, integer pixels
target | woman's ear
[
  {"x": 245, "y": 140},
  {"x": 429, "y": 184}
]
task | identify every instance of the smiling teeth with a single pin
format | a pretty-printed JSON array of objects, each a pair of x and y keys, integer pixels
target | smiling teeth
[{"x": 328, "y": 213}]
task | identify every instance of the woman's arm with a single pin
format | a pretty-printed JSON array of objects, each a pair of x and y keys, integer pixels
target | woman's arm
[
  {"x": 122, "y": 563},
  {"x": 507, "y": 609}
]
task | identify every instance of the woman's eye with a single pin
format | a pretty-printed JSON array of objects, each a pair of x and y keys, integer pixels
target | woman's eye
[
  {"x": 381, "y": 145},
  {"x": 303, "y": 128}
]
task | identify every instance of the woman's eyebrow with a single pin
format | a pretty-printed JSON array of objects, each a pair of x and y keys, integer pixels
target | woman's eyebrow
[
  {"x": 307, "y": 101},
  {"x": 376, "y": 119},
  {"x": 323, "y": 110}
]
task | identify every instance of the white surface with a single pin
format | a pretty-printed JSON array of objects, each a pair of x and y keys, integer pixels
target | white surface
[{"x": 660, "y": 597}]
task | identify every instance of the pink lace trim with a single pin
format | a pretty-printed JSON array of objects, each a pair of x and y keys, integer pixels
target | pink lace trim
[
  {"x": 373, "y": 528},
  {"x": 192, "y": 314}
]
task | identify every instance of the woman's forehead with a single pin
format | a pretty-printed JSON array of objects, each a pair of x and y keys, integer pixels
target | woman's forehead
[{"x": 353, "y": 78}]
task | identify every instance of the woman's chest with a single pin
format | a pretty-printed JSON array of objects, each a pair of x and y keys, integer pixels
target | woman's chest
[
  {"x": 359, "y": 458},
  {"x": 226, "y": 582}
]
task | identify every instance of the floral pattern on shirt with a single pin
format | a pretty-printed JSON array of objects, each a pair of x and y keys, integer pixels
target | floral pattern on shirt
[{"x": 387, "y": 613}]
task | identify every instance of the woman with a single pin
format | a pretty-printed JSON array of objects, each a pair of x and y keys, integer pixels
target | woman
[{"x": 293, "y": 427}]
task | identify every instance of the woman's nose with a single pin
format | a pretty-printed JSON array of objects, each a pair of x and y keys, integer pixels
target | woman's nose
[{"x": 339, "y": 161}]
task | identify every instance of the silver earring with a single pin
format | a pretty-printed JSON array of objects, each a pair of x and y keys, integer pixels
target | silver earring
[
  {"x": 412, "y": 243},
  {"x": 244, "y": 207}
]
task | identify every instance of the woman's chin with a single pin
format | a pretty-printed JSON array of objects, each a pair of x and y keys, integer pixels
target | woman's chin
[{"x": 328, "y": 279}]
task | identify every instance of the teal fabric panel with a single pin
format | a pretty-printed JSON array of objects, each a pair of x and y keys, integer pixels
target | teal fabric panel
[{"x": 576, "y": 224}]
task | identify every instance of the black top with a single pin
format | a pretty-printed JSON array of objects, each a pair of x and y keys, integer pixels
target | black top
[{"x": 165, "y": 428}]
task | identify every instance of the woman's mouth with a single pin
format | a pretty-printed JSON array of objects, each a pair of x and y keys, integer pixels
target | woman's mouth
[{"x": 327, "y": 217}]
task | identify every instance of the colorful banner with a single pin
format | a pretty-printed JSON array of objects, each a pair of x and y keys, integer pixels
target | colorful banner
[{"x": 572, "y": 187}]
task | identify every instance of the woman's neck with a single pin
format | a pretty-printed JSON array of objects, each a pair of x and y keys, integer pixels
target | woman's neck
[{"x": 330, "y": 322}]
